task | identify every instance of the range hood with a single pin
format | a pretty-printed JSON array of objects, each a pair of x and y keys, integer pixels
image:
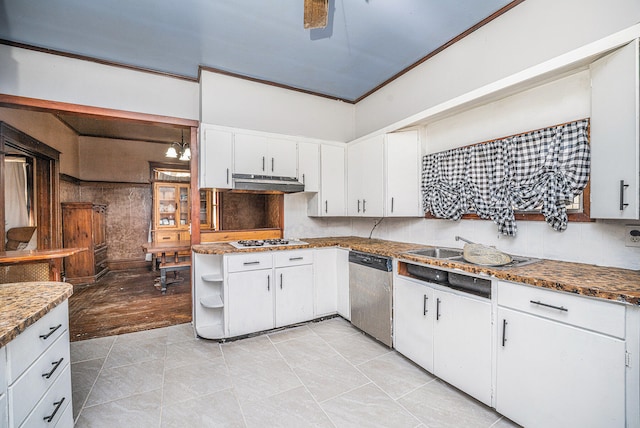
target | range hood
[{"x": 266, "y": 183}]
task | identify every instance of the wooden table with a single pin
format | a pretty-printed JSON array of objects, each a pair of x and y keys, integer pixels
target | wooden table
[
  {"x": 53, "y": 257},
  {"x": 169, "y": 264}
]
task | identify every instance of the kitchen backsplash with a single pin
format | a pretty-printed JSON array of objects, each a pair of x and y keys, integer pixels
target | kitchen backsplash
[{"x": 600, "y": 243}]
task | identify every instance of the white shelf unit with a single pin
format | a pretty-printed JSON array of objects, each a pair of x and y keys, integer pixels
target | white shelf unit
[{"x": 208, "y": 296}]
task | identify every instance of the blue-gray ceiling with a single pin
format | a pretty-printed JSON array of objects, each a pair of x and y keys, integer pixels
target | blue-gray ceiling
[{"x": 366, "y": 42}]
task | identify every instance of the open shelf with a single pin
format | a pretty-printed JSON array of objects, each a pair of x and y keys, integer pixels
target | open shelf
[
  {"x": 212, "y": 302},
  {"x": 212, "y": 277},
  {"x": 210, "y": 331}
]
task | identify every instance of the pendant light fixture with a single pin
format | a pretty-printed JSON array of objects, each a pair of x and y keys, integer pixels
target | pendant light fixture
[{"x": 180, "y": 151}]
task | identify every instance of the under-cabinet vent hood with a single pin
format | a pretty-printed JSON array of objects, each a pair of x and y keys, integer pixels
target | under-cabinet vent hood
[{"x": 266, "y": 183}]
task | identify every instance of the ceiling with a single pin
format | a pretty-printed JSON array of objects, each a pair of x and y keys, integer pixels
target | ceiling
[{"x": 366, "y": 42}]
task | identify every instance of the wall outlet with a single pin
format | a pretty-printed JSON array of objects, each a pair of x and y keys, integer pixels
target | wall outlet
[{"x": 632, "y": 236}]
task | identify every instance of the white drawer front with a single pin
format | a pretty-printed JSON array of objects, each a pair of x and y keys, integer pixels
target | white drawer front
[
  {"x": 597, "y": 315},
  {"x": 58, "y": 397},
  {"x": 250, "y": 261},
  {"x": 293, "y": 258},
  {"x": 27, "y": 390},
  {"x": 28, "y": 345}
]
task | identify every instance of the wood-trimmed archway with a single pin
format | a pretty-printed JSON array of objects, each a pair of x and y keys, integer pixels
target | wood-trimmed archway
[{"x": 26, "y": 103}]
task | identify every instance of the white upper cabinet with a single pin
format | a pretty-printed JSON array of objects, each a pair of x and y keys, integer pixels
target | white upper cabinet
[
  {"x": 216, "y": 157},
  {"x": 403, "y": 175},
  {"x": 330, "y": 201},
  {"x": 615, "y": 155},
  {"x": 309, "y": 166},
  {"x": 365, "y": 177},
  {"x": 265, "y": 155}
]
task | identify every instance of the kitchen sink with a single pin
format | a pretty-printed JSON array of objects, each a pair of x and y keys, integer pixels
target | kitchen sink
[
  {"x": 456, "y": 255},
  {"x": 438, "y": 252}
]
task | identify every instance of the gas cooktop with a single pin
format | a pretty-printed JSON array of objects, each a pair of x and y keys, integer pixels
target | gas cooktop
[{"x": 257, "y": 243}]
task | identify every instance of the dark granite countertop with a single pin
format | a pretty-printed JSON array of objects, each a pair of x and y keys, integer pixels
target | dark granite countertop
[
  {"x": 621, "y": 285},
  {"x": 24, "y": 303}
]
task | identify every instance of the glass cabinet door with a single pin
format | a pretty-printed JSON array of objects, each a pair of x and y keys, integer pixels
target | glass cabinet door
[
  {"x": 184, "y": 206},
  {"x": 166, "y": 206},
  {"x": 205, "y": 214}
]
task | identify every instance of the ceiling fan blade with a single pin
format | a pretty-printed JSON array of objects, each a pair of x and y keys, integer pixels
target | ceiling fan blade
[{"x": 315, "y": 13}]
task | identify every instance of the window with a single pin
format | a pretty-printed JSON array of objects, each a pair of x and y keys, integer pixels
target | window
[{"x": 533, "y": 173}]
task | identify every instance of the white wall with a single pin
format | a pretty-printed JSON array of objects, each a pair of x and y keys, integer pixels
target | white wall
[
  {"x": 39, "y": 75},
  {"x": 529, "y": 34},
  {"x": 240, "y": 103},
  {"x": 563, "y": 100},
  {"x": 123, "y": 161}
]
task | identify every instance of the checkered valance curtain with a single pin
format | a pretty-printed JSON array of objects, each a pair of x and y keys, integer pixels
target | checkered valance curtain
[{"x": 545, "y": 168}]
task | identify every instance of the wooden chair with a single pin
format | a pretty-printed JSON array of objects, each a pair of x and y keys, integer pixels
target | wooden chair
[{"x": 18, "y": 237}]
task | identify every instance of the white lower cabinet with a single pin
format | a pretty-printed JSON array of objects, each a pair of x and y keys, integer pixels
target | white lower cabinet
[
  {"x": 446, "y": 333},
  {"x": 250, "y": 301},
  {"x": 268, "y": 289},
  {"x": 462, "y": 343},
  {"x": 550, "y": 371},
  {"x": 294, "y": 294},
  {"x": 208, "y": 296},
  {"x": 413, "y": 321},
  {"x": 4, "y": 414},
  {"x": 325, "y": 271},
  {"x": 38, "y": 374}
]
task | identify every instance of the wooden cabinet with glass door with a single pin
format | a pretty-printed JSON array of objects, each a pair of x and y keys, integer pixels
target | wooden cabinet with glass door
[{"x": 171, "y": 212}]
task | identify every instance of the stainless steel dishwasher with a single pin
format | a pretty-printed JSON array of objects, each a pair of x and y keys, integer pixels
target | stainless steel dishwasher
[{"x": 370, "y": 294}]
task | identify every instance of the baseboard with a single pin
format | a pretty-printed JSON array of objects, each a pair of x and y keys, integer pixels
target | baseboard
[{"x": 124, "y": 264}]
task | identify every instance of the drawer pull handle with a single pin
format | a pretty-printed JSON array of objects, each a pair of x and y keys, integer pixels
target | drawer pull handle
[
  {"x": 56, "y": 364},
  {"x": 251, "y": 263},
  {"x": 291, "y": 259},
  {"x": 280, "y": 281},
  {"x": 51, "y": 331},
  {"x": 560, "y": 308},
  {"x": 424, "y": 305},
  {"x": 504, "y": 332},
  {"x": 58, "y": 404},
  {"x": 437, "y": 309},
  {"x": 268, "y": 282}
]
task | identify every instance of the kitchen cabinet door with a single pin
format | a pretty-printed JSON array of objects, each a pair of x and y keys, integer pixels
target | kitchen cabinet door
[
  {"x": 282, "y": 157},
  {"x": 330, "y": 201},
  {"x": 293, "y": 294},
  {"x": 365, "y": 178},
  {"x": 265, "y": 155},
  {"x": 216, "y": 158},
  {"x": 615, "y": 128},
  {"x": 250, "y": 302},
  {"x": 309, "y": 166},
  {"x": 403, "y": 179},
  {"x": 325, "y": 271},
  {"x": 413, "y": 318},
  {"x": 250, "y": 154},
  {"x": 462, "y": 343},
  {"x": 551, "y": 374}
]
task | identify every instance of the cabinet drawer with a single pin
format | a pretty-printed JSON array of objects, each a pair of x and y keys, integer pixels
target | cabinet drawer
[
  {"x": 167, "y": 236},
  {"x": 31, "y": 343},
  {"x": 597, "y": 315},
  {"x": 250, "y": 261},
  {"x": 27, "y": 390},
  {"x": 293, "y": 258},
  {"x": 57, "y": 397}
]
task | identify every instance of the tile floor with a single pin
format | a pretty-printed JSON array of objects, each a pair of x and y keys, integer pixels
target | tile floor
[{"x": 322, "y": 374}]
